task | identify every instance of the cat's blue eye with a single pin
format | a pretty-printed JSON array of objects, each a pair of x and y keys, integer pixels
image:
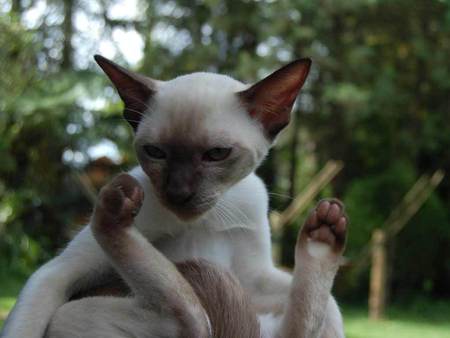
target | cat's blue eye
[
  {"x": 154, "y": 152},
  {"x": 216, "y": 154}
]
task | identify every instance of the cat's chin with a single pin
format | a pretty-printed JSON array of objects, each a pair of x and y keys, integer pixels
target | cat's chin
[
  {"x": 188, "y": 218},
  {"x": 188, "y": 214}
]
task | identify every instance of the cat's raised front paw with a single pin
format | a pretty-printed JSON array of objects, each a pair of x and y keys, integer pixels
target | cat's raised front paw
[
  {"x": 327, "y": 224},
  {"x": 118, "y": 202}
]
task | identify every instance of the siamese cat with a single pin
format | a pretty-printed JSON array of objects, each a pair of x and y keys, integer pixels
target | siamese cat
[{"x": 199, "y": 139}]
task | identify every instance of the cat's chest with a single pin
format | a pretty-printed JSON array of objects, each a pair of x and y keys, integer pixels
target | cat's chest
[{"x": 212, "y": 246}]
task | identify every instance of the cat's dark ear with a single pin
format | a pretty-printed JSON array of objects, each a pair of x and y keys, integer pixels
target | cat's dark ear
[
  {"x": 271, "y": 99},
  {"x": 134, "y": 89}
]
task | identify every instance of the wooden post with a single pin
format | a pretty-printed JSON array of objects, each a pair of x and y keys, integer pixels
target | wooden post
[
  {"x": 403, "y": 212},
  {"x": 377, "y": 296},
  {"x": 299, "y": 204},
  {"x": 397, "y": 220}
]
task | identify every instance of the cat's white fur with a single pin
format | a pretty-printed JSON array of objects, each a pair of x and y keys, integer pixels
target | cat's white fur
[
  {"x": 208, "y": 99},
  {"x": 234, "y": 234}
]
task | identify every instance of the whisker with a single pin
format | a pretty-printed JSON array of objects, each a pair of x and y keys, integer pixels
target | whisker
[
  {"x": 281, "y": 195},
  {"x": 219, "y": 216},
  {"x": 234, "y": 208},
  {"x": 232, "y": 218},
  {"x": 245, "y": 222},
  {"x": 228, "y": 216},
  {"x": 135, "y": 111},
  {"x": 227, "y": 233},
  {"x": 118, "y": 118}
]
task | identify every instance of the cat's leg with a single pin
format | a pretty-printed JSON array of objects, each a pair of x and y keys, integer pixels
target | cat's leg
[
  {"x": 311, "y": 312},
  {"x": 333, "y": 325},
  {"x": 81, "y": 265},
  {"x": 155, "y": 281}
]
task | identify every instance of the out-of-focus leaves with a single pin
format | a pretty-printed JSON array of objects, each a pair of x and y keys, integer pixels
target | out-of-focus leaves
[{"x": 377, "y": 98}]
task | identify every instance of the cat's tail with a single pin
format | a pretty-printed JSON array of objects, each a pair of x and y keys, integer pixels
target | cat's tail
[{"x": 228, "y": 307}]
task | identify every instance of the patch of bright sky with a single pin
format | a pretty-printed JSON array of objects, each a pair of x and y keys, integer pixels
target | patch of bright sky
[
  {"x": 76, "y": 158},
  {"x": 262, "y": 49},
  {"x": 104, "y": 147},
  {"x": 33, "y": 16},
  {"x": 284, "y": 55},
  {"x": 89, "y": 32},
  {"x": 179, "y": 39},
  {"x": 93, "y": 103},
  {"x": 267, "y": 47},
  {"x": 124, "y": 10},
  {"x": 169, "y": 8},
  {"x": 90, "y": 37},
  {"x": 5, "y": 6},
  {"x": 206, "y": 34},
  {"x": 127, "y": 41}
]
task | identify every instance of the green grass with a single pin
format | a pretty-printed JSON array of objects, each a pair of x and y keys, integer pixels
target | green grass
[
  {"x": 6, "y": 303},
  {"x": 416, "y": 320},
  {"x": 9, "y": 289}
]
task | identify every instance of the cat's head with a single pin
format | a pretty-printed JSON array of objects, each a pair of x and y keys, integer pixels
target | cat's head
[{"x": 199, "y": 134}]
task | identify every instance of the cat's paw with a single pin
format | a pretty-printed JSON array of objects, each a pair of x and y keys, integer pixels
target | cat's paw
[
  {"x": 118, "y": 203},
  {"x": 326, "y": 225}
]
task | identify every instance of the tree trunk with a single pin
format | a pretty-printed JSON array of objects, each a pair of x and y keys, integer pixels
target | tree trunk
[
  {"x": 17, "y": 7},
  {"x": 294, "y": 157},
  {"x": 289, "y": 235},
  {"x": 377, "y": 296},
  {"x": 267, "y": 171},
  {"x": 68, "y": 30}
]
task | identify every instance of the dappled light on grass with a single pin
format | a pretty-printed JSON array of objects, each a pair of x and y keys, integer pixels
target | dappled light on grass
[
  {"x": 425, "y": 320},
  {"x": 6, "y": 303}
]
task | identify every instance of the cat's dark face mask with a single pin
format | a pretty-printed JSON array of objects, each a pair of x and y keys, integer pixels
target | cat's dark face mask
[{"x": 189, "y": 177}]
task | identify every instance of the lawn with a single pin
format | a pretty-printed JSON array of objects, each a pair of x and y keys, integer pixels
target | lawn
[
  {"x": 9, "y": 288},
  {"x": 421, "y": 319},
  {"x": 6, "y": 303}
]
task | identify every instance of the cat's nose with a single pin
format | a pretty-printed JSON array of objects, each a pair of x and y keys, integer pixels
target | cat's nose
[{"x": 179, "y": 195}]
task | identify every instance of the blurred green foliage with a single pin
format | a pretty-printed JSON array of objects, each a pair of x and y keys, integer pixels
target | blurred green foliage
[{"x": 377, "y": 98}]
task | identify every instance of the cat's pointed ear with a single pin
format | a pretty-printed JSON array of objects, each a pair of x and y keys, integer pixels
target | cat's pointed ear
[
  {"x": 134, "y": 89},
  {"x": 271, "y": 99}
]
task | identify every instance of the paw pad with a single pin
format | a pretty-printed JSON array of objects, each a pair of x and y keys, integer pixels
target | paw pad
[{"x": 327, "y": 223}]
